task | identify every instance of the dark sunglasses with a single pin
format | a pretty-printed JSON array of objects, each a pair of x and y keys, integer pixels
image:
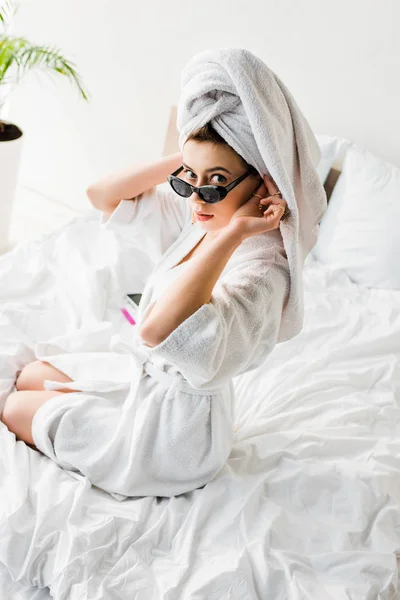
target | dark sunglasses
[{"x": 208, "y": 193}]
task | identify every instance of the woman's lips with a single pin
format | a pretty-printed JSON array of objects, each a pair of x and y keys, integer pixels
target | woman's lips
[{"x": 202, "y": 217}]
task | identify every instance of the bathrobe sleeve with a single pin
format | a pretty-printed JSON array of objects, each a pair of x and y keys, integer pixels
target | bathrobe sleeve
[
  {"x": 150, "y": 223},
  {"x": 235, "y": 331},
  {"x": 161, "y": 202}
]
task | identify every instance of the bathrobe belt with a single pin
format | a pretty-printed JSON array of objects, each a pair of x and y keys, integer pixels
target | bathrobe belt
[
  {"x": 140, "y": 359},
  {"x": 140, "y": 356}
]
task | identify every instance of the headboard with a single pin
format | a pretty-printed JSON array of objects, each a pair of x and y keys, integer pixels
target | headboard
[{"x": 171, "y": 145}]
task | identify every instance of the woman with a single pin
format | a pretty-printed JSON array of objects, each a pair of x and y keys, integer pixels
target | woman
[
  {"x": 220, "y": 298},
  {"x": 239, "y": 216}
]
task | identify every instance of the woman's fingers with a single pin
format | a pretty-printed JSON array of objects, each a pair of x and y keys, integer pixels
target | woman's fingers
[
  {"x": 272, "y": 199},
  {"x": 261, "y": 190},
  {"x": 273, "y": 215},
  {"x": 275, "y": 205},
  {"x": 270, "y": 185},
  {"x": 266, "y": 187},
  {"x": 275, "y": 210}
]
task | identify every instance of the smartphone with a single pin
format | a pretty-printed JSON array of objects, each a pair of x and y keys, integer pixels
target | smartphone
[
  {"x": 134, "y": 299},
  {"x": 131, "y": 306}
]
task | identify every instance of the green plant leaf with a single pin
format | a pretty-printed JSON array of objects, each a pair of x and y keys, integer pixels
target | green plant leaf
[
  {"x": 25, "y": 57},
  {"x": 7, "y": 10}
]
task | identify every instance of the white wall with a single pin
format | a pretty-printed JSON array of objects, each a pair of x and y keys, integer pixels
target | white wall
[{"x": 340, "y": 59}]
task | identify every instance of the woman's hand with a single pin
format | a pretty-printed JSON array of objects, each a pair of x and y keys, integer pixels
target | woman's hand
[{"x": 250, "y": 220}]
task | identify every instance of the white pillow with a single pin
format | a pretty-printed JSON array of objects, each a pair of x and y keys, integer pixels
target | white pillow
[
  {"x": 360, "y": 231},
  {"x": 332, "y": 149}
]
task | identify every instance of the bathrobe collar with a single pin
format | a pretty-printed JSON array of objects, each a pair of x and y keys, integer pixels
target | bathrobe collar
[
  {"x": 188, "y": 239},
  {"x": 250, "y": 248}
]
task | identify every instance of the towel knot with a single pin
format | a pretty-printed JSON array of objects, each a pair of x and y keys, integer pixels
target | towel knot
[{"x": 212, "y": 105}]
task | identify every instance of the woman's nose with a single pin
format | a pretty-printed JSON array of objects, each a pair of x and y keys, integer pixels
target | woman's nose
[{"x": 197, "y": 198}]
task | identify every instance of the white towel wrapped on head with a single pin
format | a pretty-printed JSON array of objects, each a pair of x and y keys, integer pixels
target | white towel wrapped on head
[{"x": 255, "y": 113}]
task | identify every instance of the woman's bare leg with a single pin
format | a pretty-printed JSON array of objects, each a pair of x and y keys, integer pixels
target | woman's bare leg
[
  {"x": 32, "y": 376},
  {"x": 19, "y": 410}
]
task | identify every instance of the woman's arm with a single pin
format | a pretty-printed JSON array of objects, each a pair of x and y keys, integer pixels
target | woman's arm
[
  {"x": 192, "y": 289},
  {"x": 128, "y": 183}
]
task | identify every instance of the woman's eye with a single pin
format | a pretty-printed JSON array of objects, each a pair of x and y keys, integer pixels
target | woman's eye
[
  {"x": 223, "y": 178},
  {"x": 189, "y": 175}
]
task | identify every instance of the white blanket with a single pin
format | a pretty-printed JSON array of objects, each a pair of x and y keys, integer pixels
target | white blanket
[{"x": 308, "y": 503}]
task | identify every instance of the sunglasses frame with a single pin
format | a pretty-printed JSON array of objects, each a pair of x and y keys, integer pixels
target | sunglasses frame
[{"x": 223, "y": 191}]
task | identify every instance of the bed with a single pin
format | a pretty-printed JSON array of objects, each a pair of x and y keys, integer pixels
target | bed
[{"x": 307, "y": 506}]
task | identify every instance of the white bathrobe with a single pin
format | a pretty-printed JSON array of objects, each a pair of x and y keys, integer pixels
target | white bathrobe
[{"x": 160, "y": 421}]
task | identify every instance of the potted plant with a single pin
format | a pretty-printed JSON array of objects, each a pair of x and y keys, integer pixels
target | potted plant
[{"x": 17, "y": 58}]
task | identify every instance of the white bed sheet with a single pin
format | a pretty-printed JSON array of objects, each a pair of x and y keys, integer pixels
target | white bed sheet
[{"x": 308, "y": 504}]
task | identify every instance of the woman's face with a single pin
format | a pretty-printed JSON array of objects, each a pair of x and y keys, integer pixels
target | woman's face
[{"x": 200, "y": 160}]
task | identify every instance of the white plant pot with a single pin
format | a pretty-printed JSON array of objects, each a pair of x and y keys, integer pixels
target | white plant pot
[{"x": 10, "y": 159}]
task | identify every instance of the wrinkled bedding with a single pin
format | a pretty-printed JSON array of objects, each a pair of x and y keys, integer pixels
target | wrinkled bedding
[{"x": 308, "y": 504}]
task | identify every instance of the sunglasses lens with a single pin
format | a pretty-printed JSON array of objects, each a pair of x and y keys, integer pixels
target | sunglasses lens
[
  {"x": 181, "y": 187},
  {"x": 209, "y": 194}
]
